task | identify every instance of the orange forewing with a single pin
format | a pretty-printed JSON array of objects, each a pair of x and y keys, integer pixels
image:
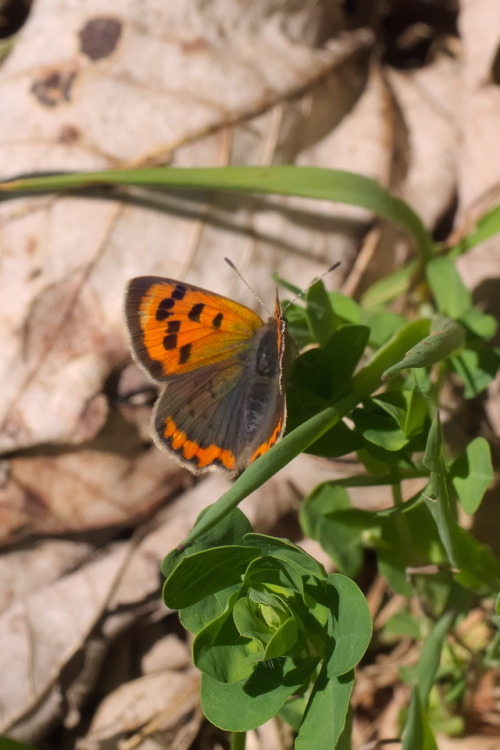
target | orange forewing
[{"x": 172, "y": 325}]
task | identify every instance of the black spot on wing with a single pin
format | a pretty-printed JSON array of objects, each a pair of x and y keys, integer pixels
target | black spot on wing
[
  {"x": 216, "y": 322},
  {"x": 170, "y": 341},
  {"x": 164, "y": 308},
  {"x": 184, "y": 354},
  {"x": 173, "y": 326},
  {"x": 195, "y": 312},
  {"x": 179, "y": 292}
]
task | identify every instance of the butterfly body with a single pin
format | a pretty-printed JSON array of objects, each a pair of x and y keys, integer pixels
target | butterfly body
[{"x": 223, "y": 403}]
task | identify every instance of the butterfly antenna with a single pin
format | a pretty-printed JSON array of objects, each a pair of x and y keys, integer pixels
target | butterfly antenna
[
  {"x": 318, "y": 278},
  {"x": 238, "y": 273}
]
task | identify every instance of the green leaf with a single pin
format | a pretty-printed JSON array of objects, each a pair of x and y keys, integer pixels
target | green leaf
[
  {"x": 396, "y": 404},
  {"x": 382, "y": 463},
  {"x": 205, "y": 573},
  {"x": 287, "y": 552},
  {"x": 382, "y": 324},
  {"x": 297, "y": 326},
  {"x": 339, "y": 441},
  {"x": 283, "y": 639},
  {"x": 477, "y": 366},
  {"x": 408, "y": 539},
  {"x": 479, "y": 568},
  {"x": 379, "y": 428},
  {"x": 472, "y": 474},
  {"x": 248, "y": 623},
  {"x": 319, "y": 518},
  {"x": 220, "y": 652},
  {"x": 342, "y": 354},
  {"x": 345, "y": 309},
  {"x": 270, "y": 572},
  {"x": 479, "y": 323},
  {"x": 231, "y": 530},
  {"x": 418, "y": 412},
  {"x": 428, "y": 662},
  {"x": 195, "y": 617},
  {"x": 326, "y": 711},
  {"x": 326, "y": 372},
  {"x": 433, "y": 456},
  {"x": 487, "y": 226},
  {"x": 351, "y": 630},
  {"x": 445, "y": 338},
  {"x": 389, "y": 287},
  {"x": 6, "y": 743},
  {"x": 352, "y": 624},
  {"x": 436, "y": 493},
  {"x": 417, "y": 732},
  {"x": 452, "y": 296},
  {"x": 402, "y": 624},
  {"x": 320, "y": 313},
  {"x": 247, "y": 704},
  {"x": 292, "y": 712}
]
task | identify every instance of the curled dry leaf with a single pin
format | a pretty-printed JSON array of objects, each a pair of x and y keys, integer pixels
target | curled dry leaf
[{"x": 163, "y": 704}]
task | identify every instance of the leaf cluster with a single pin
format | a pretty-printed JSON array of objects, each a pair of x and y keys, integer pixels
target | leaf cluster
[{"x": 269, "y": 623}]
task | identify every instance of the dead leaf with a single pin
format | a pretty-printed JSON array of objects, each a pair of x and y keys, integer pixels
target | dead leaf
[
  {"x": 38, "y": 635},
  {"x": 159, "y": 704},
  {"x": 83, "y": 490}
]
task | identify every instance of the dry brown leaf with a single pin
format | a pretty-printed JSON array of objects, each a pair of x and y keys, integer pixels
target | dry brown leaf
[
  {"x": 26, "y": 569},
  {"x": 429, "y": 102},
  {"x": 479, "y": 155},
  {"x": 83, "y": 490},
  {"x": 158, "y": 704},
  {"x": 166, "y": 653},
  {"x": 472, "y": 742},
  {"x": 40, "y": 633}
]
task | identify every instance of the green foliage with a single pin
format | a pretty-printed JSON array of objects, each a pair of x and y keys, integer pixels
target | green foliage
[
  {"x": 269, "y": 623},
  {"x": 9, "y": 744},
  {"x": 273, "y": 633}
]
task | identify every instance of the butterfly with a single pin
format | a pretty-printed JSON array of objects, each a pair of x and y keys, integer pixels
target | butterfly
[{"x": 221, "y": 365}]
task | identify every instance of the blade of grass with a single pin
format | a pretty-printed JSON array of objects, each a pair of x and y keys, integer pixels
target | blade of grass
[{"x": 308, "y": 182}]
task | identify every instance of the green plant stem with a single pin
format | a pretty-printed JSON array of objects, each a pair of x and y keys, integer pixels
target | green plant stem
[
  {"x": 401, "y": 521},
  {"x": 397, "y": 495},
  {"x": 237, "y": 741}
]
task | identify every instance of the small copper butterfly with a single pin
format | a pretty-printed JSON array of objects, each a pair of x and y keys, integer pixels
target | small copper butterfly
[{"x": 223, "y": 404}]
